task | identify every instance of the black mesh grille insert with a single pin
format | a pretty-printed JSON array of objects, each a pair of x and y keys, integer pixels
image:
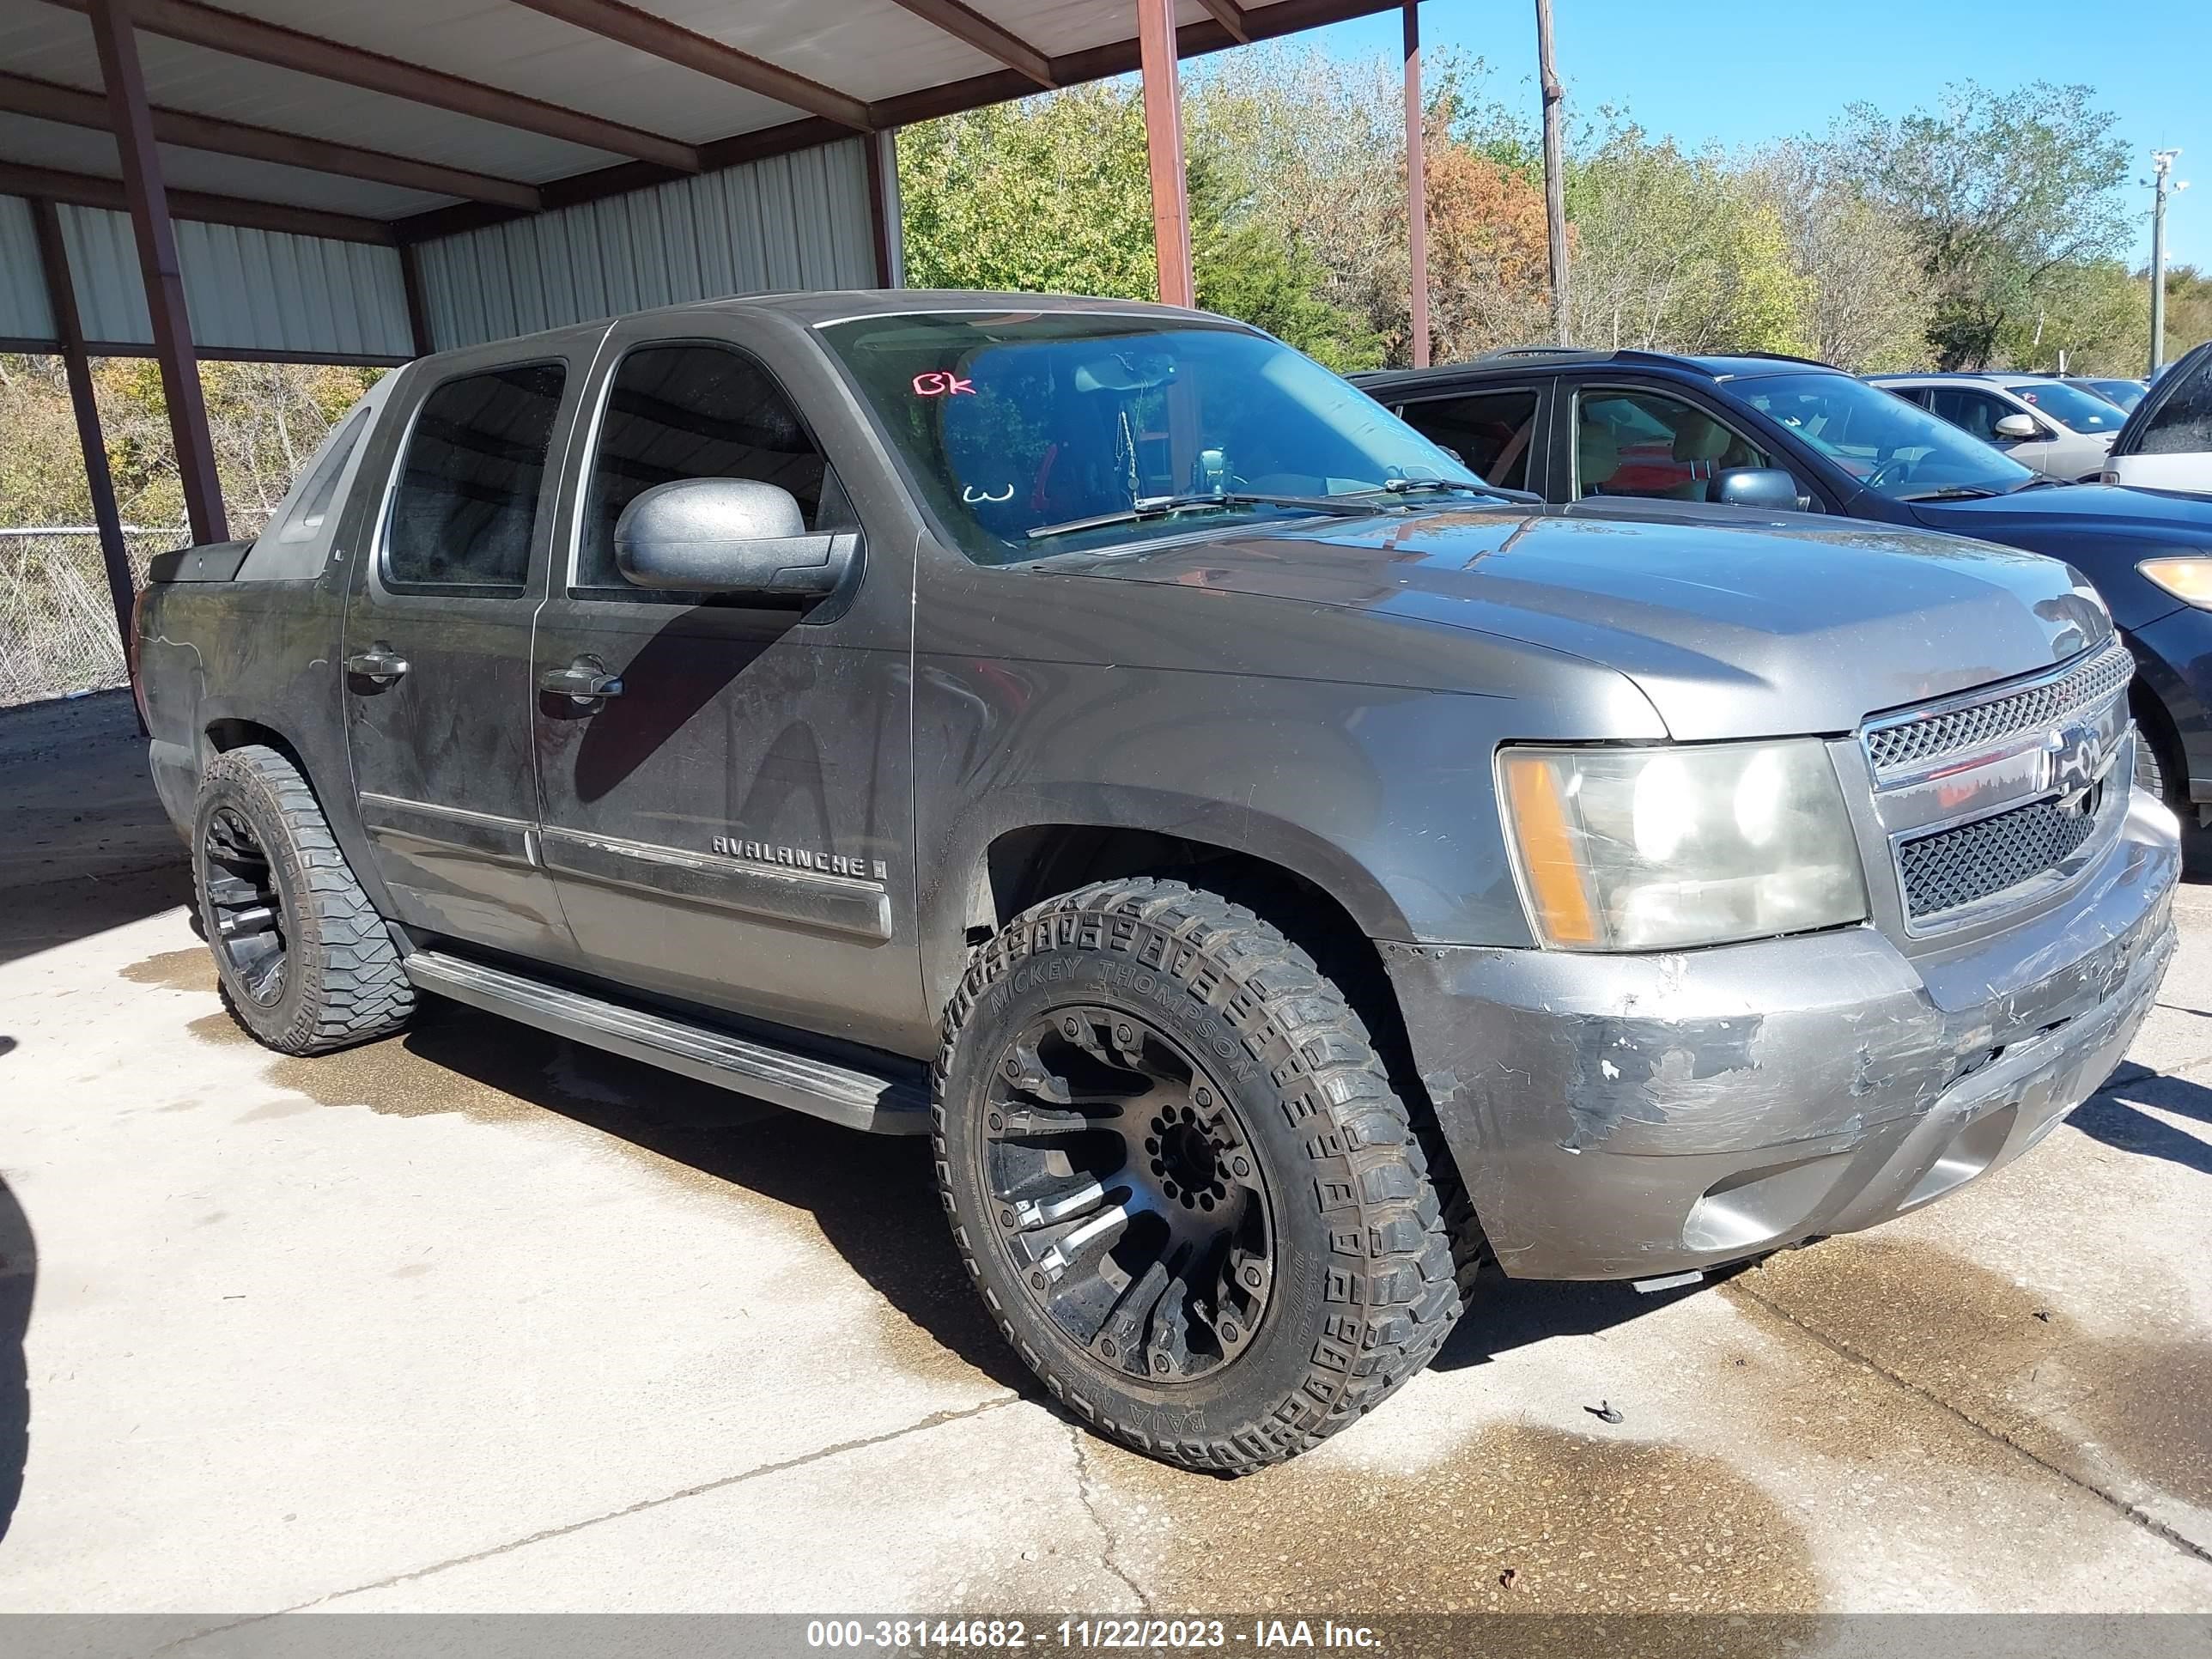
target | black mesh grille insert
[{"x": 1953, "y": 867}]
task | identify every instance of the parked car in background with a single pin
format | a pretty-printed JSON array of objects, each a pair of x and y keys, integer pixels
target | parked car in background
[
  {"x": 2167, "y": 443},
  {"x": 1782, "y": 434},
  {"x": 2040, "y": 421},
  {"x": 2125, "y": 393}
]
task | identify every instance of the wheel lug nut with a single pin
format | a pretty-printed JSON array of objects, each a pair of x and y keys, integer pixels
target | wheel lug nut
[
  {"x": 1160, "y": 1364},
  {"x": 1228, "y": 1331},
  {"x": 1072, "y": 1026},
  {"x": 1037, "y": 1281},
  {"x": 1125, "y": 1035},
  {"x": 1203, "y": 1096},
  {"x": 1252, "y": 1277},
  {"x": 1013, "y": 1067},
  {"x": 997, "y": 1121},
  {"x": 1242, "y": 1167},
  {"x": 1107, "y": 1349},
  {"x": 1005, "y": 1217}
]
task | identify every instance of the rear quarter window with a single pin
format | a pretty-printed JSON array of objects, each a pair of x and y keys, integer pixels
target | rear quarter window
[{"x": 2182, "y": 423}]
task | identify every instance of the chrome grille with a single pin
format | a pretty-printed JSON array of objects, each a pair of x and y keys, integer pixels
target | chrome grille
[
  {"x": 1956, "y": 866},
  {"x": 1910, "y": 744}
]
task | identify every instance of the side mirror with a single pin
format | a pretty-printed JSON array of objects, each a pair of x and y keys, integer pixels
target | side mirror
[
  {"x": 1766, "y": 486},
  {"x": 2016, "y": 428},
  {"x": 729, "y": 536}
]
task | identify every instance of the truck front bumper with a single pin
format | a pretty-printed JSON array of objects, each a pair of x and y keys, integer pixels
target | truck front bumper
[{"x": 1628, "y": 1116}]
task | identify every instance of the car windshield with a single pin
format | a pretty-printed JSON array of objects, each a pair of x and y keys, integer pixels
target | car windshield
[
  {"x": 2126, "y": 393},
  {"x": 2070, "y": 405},
  {"x": 1888, "y": 444},
  {"x": 1018, "y": 427}
]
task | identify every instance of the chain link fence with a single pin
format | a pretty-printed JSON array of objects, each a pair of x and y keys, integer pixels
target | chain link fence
[{"x": 56, "y": 623}]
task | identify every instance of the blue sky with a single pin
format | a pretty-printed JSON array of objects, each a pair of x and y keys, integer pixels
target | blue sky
[{"x": 1741, "y": 73}]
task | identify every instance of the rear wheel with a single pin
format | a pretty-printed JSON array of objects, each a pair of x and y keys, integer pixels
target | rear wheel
[
  {"x": 304, "y": 963},
  {"x": 1182, "y": 1180}
]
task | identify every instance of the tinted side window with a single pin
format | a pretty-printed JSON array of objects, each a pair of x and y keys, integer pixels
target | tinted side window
[
  {"x": 2182, "y": 424},
  {"x": 467, "y": 499},
  {"x": 1645, "y": 443},
  {"x": 1973, "y": 411},
  {"x": 1492, "y": 431},
  {"x": 696, "y": 412}
]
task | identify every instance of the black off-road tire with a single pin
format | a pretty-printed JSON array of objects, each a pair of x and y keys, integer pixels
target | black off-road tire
[
  {"x": 2152, "y": 773},
  {"x": 341, "y": 982},
  {"x": 1362, "y": 1289}
]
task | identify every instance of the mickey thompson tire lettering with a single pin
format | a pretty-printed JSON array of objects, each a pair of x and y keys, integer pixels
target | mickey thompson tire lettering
[
  {"x": 343, "y": 982},
  {"x": 1363, "y": 1288}
]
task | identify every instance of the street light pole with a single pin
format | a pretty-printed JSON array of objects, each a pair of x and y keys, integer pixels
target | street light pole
[{"x": 2161, "y": 166}]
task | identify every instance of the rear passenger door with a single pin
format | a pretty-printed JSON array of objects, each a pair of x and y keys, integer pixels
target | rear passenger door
[
  {"x": 1497, "y": 430},
  {"x": 436, "y": 663},
  {"x": 732, "y": 827}
]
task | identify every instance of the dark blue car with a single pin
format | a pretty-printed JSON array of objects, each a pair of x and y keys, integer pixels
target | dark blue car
[{"x": 1772, "y": 433}]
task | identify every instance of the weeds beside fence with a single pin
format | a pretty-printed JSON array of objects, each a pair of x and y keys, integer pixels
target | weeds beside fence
[{"x": 56, "y": 623}]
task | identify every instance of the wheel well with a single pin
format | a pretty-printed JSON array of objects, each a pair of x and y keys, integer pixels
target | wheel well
[
  {"x": 224, "y": 735},
  {"x": 1026, "y": 866},
  {"x": 2157, "y": 726}
]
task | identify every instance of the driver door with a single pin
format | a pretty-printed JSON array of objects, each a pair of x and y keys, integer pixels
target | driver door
[{"x": 729, "y": 825}]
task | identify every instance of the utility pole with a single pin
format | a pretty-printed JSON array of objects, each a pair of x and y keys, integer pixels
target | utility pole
[
  {"x": 2161, "y": 165},
  {"x": 1555, "y": 169}
]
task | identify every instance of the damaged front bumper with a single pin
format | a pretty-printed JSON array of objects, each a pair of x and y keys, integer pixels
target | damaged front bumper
[{"x": 1627, "y": 1116}]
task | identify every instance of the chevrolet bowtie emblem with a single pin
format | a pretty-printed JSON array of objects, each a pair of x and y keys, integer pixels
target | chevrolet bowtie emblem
[{"x": 2077, "y": 761}]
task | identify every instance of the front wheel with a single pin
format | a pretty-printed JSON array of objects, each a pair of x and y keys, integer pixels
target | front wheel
[{"x": 1181, "y": 1178}]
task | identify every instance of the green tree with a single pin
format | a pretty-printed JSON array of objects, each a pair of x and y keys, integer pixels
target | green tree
[
  {"x": 1047, "y": 196},
  {"x": 2005, "y": 193}
]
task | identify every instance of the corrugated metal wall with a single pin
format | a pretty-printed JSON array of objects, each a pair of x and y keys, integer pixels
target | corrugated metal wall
[
  {"x": 24, "y": 314},
  {"x": 247, "y": 290},
  {"x": 792, "y": 221}
]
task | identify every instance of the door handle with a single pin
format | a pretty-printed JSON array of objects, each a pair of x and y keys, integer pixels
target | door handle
[
  {"x": 380, "y": 663},
  {"x": 584, "y": 680}
]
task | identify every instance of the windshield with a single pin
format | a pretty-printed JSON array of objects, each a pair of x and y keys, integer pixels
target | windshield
[
  {"x": 1886, "y": 443},
  {"x": 2084, "y": 412},
  {"x": 2126, "y": 393},
  {"x": 1015, "y": 422}
]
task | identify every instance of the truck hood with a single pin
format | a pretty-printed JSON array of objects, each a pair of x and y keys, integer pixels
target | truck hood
[
  {"x": 1731, "y": 628},
  {"x": 2047, "y": 520}
]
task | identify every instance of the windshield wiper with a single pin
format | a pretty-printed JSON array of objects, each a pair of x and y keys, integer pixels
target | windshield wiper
[
  {"x": 2032, "y": 484},
  {"x": 1953, "y": 493},
  {"x": 1161, "y": 506},
  {"x": 1422, "y": 486}
]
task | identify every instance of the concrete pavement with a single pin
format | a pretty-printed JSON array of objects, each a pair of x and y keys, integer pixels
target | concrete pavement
[{"x": 475, "y": 1320}]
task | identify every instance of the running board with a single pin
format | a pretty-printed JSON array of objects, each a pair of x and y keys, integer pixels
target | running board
[{"x": 880, "y": 1102}]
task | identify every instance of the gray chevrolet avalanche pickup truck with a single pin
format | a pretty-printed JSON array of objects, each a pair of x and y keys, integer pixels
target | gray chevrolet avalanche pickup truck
[{"x": 1280, "y": 872}]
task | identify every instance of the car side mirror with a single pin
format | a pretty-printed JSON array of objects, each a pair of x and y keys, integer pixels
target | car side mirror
[
  {"x": 2016, "y": 428},
  {"x": 733, "y": 535},
  {"x": 1766, "y": 486}
]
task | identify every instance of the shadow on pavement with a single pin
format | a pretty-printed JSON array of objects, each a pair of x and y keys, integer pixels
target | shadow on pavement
[
  {"x": 19, "y": 1258},
  {"x": 2114, "y": 1115},
  {"x": 873, "y": 1197},
  {"x": 84, "y": 844}
]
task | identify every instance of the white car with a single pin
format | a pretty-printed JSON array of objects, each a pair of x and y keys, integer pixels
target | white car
[
  {"x": 2167, "y": 442},
  {"x": 2040, "y": 421}
]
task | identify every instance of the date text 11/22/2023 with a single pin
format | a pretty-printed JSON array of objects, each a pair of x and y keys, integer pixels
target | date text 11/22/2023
[{"x": 1082, "y": 1635}]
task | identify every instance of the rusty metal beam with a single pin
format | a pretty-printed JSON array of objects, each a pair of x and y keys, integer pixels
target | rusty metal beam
[
  {"x": 986, "y": 36},
  {"x": 1156, "y": 40},
  {"x": 657, "y": 37},
  {"x": 76, "y": 364},
  {"x": 1231, "y": 16},
  {"x": 90, "y": 190},
  {"x": 22, "y": 95},
  {"x": 309, "y": 54},
  {"x": 158, "y": 264}
]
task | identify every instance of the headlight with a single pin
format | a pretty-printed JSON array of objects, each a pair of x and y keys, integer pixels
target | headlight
[
  {"x": 1651, "y": 849},
  {"x": 2189, "y": 580}
]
